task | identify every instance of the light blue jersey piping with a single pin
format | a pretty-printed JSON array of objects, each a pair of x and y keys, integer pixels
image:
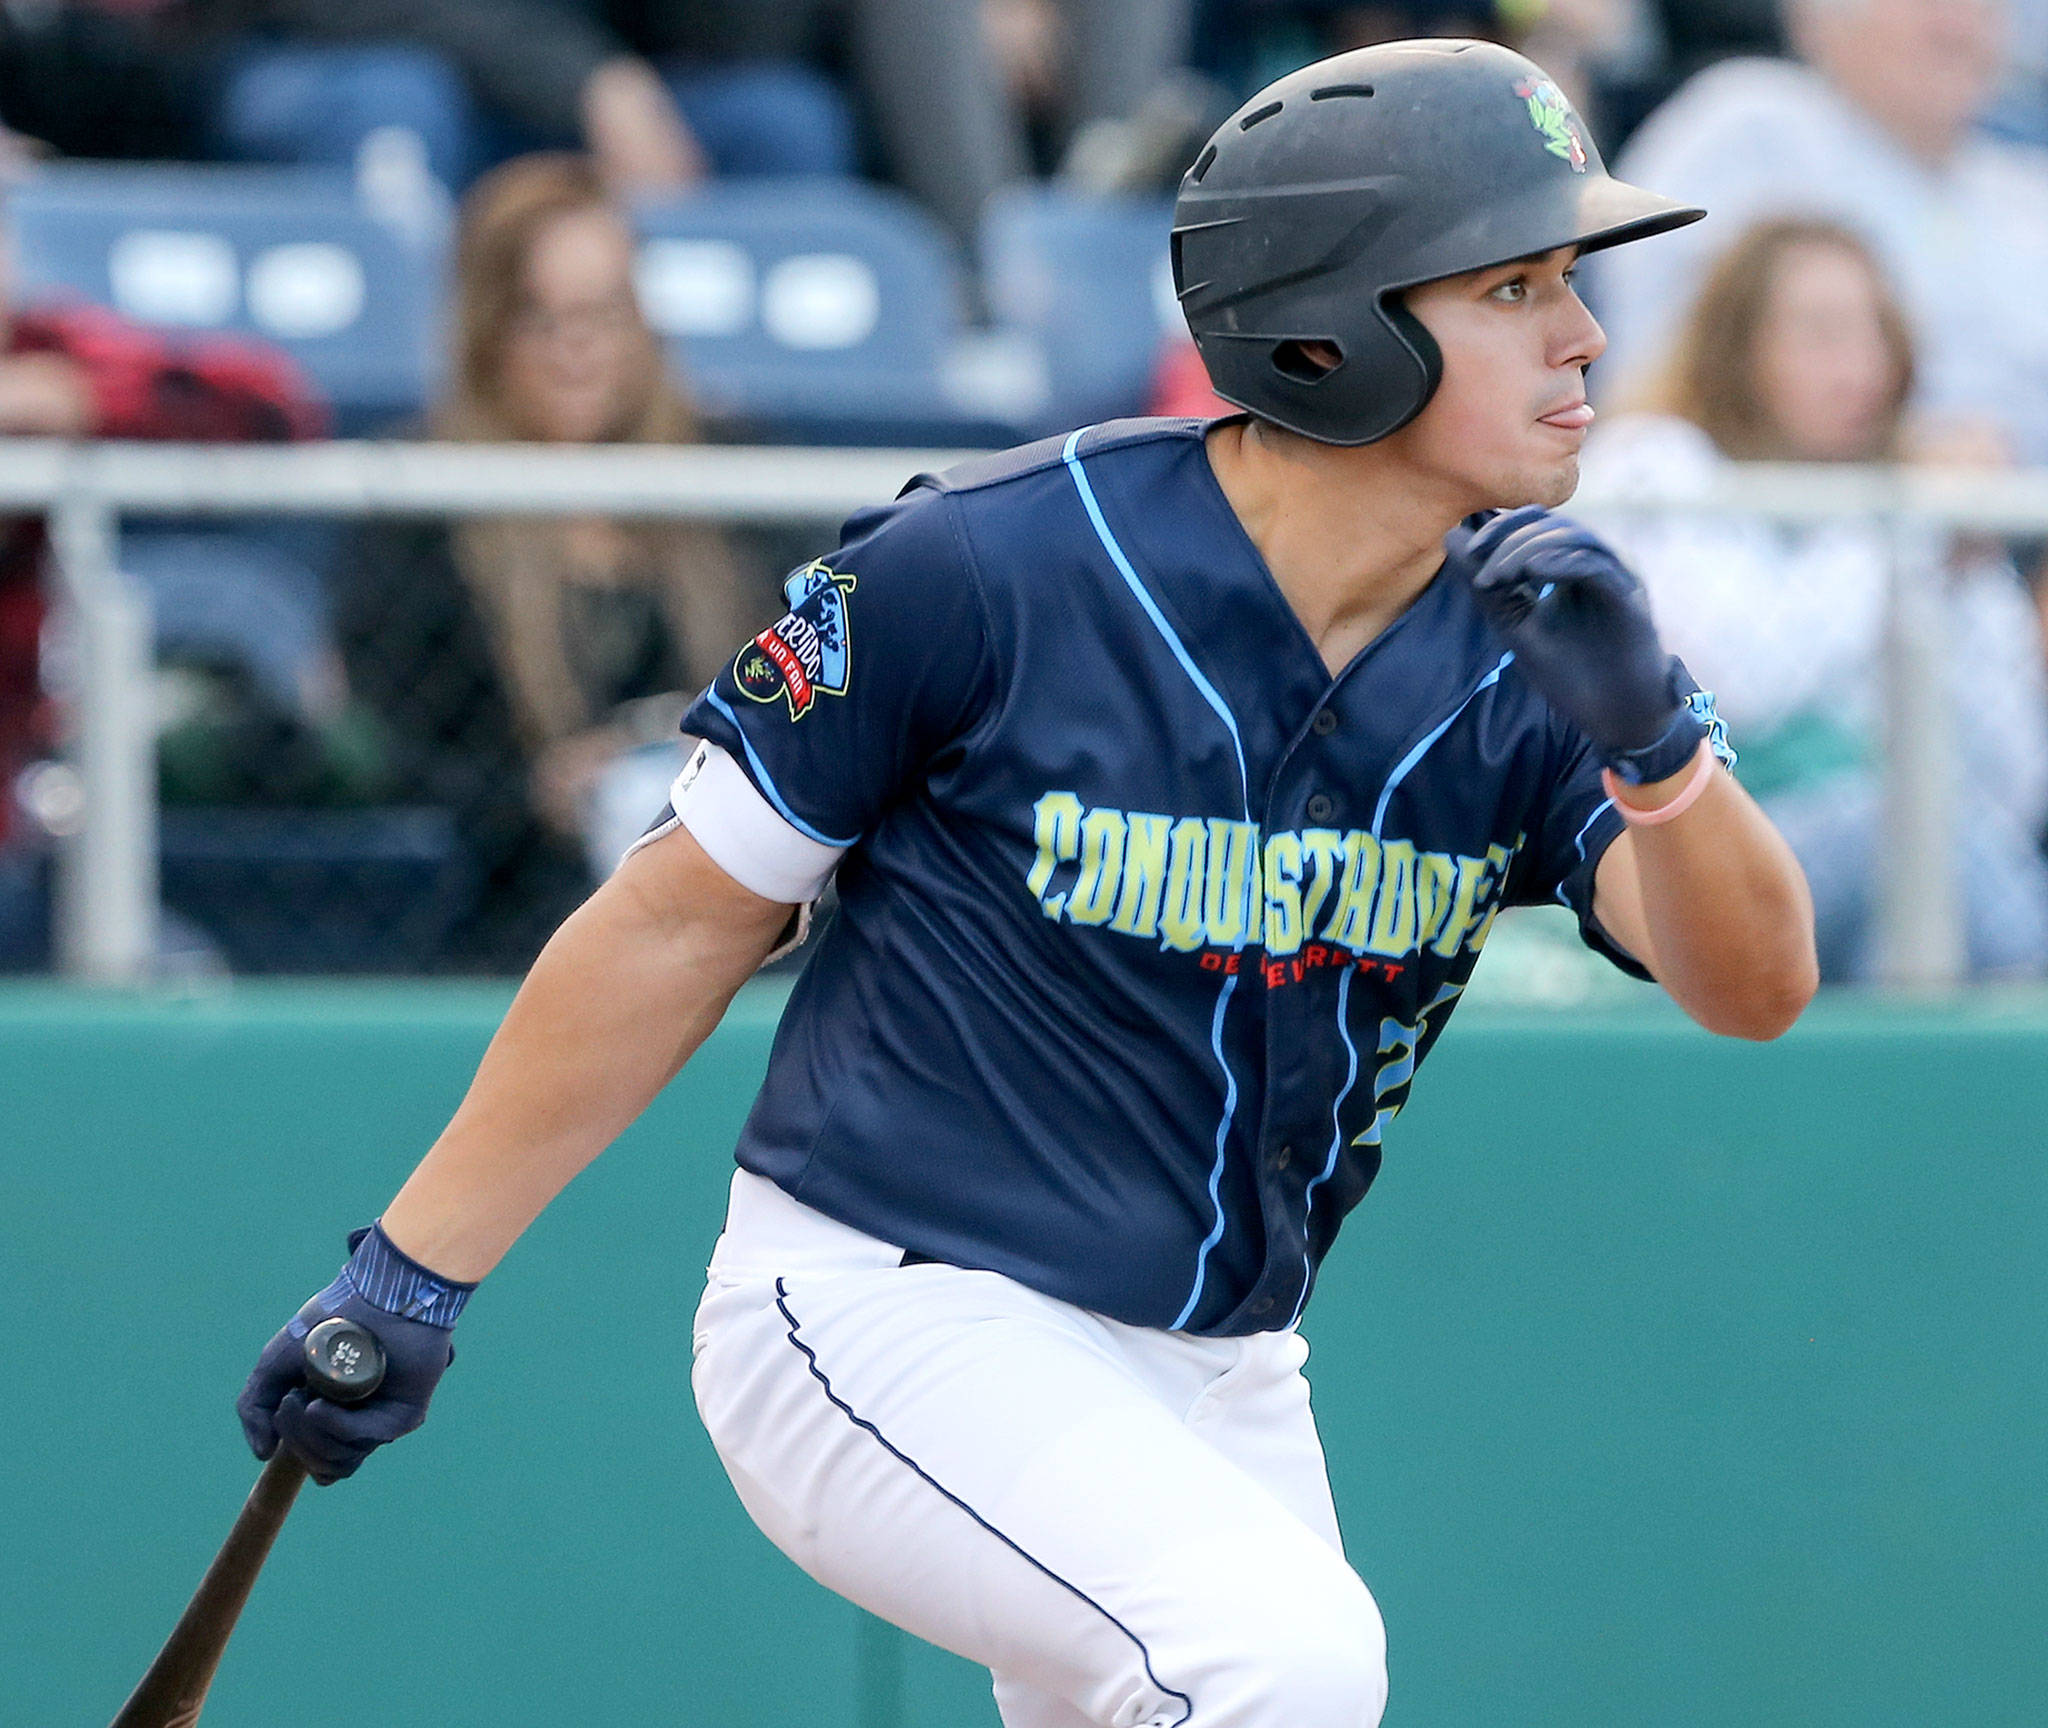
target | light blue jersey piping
[
  {"x": 1407, "y": 762},
  {"x": 1701, "y": 706},
  {"x": 1336, "y": 1139},
  {"x": 1579, "y": 840},
  {"x": 1151, "y": 606},
  {"x": 1216, "y": 1171},
  {"x": 1215, "y": 701},
  {"x": 767, "y": 781},
  {"x": 1401, "y": 772}
]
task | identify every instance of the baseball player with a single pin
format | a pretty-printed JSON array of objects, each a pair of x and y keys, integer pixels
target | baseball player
[{"x": 1172, "y": 774}]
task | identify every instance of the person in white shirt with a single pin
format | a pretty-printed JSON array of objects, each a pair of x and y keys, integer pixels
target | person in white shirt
[
  {"x": 1876, "y": 131},
  {"x": 2021, "y": 109},
  {"x": 1795, "y": 350}
]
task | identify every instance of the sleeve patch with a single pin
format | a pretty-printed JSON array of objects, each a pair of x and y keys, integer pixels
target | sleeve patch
[{"x": 806, "y": 653}]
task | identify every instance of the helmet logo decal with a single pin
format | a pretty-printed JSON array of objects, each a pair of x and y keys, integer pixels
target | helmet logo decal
[{"x": 1552, "y": 116}]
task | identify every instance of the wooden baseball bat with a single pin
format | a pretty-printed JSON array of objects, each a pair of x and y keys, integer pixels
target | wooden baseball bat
[{"x": 344, "y": 1363}]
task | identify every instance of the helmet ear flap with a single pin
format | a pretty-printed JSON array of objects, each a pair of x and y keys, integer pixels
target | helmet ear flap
[
  {"x": 1386, "y": 368},
  {"x": 1414, "y": 336}
]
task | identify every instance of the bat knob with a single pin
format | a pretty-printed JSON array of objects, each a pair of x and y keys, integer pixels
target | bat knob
[{"x": 344, "y": 1361}]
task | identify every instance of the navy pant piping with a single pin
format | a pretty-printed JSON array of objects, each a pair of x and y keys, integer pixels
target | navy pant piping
[{"x": 909, "y": 1463}]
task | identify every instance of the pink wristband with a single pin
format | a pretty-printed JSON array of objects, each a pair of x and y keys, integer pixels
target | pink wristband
[{"x": 1688, "y": 796}]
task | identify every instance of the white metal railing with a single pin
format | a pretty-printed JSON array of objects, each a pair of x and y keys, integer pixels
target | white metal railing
[
  {"x": 702, "y": 482},
  {"x": 108, "y": 877}
]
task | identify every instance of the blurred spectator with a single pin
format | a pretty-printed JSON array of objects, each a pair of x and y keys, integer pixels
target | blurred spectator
[
  {"x": 80, "y": 372},
  {"x": 1699, "y": 32},
  {"x": 1796, "y": 351},
  {"x": 969, "y": 95},
  {"x": 86, "y": 79},
  {"x": 661, "y": 92},
  {"x": 1583, "y": 44},
  {"x": 1678, "y": 38},
  {"x": 1252, "y": 42},
  {"x": 1875, "y": 131},
  {"x": 2021, "y": 110},
  {"x": 1180, "y": 383},
  {"x": 531, "y": 673}
]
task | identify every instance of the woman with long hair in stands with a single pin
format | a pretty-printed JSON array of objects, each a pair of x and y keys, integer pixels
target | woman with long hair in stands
[
  {"x": 1796, "y": 351},
  {"x": 536, "y": 668}
]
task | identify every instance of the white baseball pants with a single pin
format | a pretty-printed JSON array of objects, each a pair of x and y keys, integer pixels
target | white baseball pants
[{"x": 1129, "y": 1527}]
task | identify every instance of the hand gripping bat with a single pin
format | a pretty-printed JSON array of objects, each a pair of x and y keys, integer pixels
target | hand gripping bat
[{"x": 345, "y": 1364}]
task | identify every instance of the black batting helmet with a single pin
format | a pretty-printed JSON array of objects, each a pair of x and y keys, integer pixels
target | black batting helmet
[{"x": 1331, "y": 191}]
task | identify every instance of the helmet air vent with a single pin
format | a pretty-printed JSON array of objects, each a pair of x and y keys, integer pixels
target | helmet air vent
[
  {"x": 1202, "y": 164},
  {"x": 1306, "y": 363},
  {"x": 1258, "y": 114},
  {"x": 1329, "y": 90}
]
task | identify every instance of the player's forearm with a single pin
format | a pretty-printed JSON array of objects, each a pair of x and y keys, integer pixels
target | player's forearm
[
  {"x": 616, "y": 1004},
  {"x": 1726, "y": 914}
]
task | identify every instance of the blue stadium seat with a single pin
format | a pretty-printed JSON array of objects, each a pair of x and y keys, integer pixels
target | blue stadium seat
[
  {"x": 1088, "y": 280},
  {"x": 318, "y": 891},
  {"x": 823, "y": 312},
  {"x": 283, "y": 254}
]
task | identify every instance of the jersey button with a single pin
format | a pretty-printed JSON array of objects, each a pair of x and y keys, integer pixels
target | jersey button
[
  {"x": 1264, "y": 1305},
  {"x": 1283, "y": 1158},
  {"x": 1321, "y": 808},
  {"x": 1324, "y": 723}
]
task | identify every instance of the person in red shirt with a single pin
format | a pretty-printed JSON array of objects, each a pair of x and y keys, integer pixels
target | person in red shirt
[
  {"x": 1180, "y": 383},
  {"x": 78, "y": 371}
]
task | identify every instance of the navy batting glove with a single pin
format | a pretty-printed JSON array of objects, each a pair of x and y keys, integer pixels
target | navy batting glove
[
  {"x": 1579, "y": 623},
  {"x": 411, "y": 1312}
]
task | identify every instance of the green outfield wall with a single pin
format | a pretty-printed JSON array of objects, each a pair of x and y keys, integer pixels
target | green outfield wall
[{"x": 1666, "y": 1381}]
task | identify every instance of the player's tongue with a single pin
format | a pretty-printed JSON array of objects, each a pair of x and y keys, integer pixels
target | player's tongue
[{"x": 1575, "y": 418}]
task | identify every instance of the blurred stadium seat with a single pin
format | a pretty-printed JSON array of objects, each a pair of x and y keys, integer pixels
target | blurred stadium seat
[
  {"x": 329, "y": 891},
  {"x": 283, "y": 254},
  {"x": 1087, "y": 279},
  {"x": 814, "y": 313}
]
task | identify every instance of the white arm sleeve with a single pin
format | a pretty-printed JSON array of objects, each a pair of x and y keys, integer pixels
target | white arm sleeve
[{"x": 743, "y": 834}]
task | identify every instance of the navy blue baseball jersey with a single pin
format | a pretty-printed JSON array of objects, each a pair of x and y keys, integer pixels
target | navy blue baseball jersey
[{"x": 1145, "y": 920}]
